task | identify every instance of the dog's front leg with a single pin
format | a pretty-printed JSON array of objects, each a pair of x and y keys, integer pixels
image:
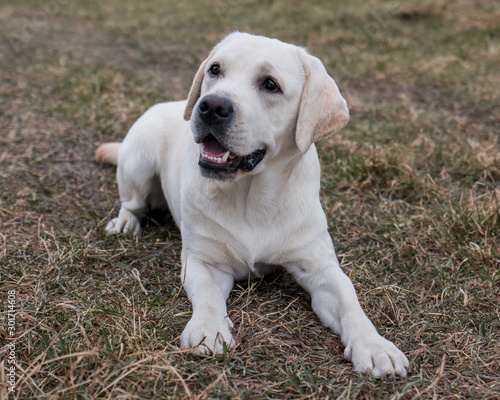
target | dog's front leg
[
  {"x": 335, "y": 301},
  {"x": 208, "y": 289}
]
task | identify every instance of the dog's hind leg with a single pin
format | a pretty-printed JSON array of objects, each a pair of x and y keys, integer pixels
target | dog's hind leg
[{"x": 139, "y": 188}]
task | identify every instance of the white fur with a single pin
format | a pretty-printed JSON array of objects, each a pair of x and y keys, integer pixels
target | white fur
[{"x": 257, "y": 220}]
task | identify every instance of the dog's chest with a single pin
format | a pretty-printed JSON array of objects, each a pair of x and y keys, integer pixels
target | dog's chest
[
  {"x": 245, "y": 227},
  {"x": 251, "y": 261},
  {"x": 235, "y": 244}
]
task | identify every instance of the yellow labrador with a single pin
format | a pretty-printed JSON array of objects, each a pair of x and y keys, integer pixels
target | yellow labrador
[{"x": 237, "y": 166}]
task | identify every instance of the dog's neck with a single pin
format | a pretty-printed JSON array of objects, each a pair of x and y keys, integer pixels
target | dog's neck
[{"x": 263, "y": 196}]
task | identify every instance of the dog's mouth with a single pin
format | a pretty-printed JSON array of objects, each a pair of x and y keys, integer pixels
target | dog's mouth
[{"x": 215, "y": 156}]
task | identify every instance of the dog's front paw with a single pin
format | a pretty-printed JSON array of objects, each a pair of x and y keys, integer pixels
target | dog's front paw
[
  {"x": 377, "y": 356},
  {"x": 126, "y": 222},
  {"x": 207, "y": 336}
]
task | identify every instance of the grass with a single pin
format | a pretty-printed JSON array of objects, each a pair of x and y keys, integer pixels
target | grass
[{"x": 410, "y": 188}]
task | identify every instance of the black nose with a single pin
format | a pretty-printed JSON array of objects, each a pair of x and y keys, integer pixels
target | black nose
[{"x": 215, "y": 109}]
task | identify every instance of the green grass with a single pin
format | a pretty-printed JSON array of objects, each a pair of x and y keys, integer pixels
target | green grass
[{"x": 410, "y": 188}]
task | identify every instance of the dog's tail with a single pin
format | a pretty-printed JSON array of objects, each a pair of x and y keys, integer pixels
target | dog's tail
[{"x": 107, "y": 153}]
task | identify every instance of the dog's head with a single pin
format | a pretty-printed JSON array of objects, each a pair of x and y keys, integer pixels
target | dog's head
[{"x": 254, "y": 99}]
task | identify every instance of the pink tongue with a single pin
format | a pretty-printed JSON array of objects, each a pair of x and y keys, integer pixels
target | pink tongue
[{"x": 213, "y": 148}]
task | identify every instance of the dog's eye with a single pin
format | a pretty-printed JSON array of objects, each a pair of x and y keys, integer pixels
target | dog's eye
[
  {"x": 271, "y": 85},
  {"x": 215, "y": 69}
]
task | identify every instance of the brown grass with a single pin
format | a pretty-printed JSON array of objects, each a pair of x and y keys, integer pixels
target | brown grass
[{"x": 410, "y": 187}]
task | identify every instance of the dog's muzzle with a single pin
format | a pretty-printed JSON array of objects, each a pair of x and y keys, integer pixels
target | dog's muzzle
[
  {"x": 216, "y": 112},
  {"x": 214, "y": 156}
]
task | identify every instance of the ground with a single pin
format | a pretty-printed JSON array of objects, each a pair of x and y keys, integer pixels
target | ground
[{"x": 410, "y": 188}]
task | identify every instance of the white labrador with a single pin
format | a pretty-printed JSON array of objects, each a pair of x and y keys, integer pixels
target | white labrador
[{"x": 241, "y": 180}]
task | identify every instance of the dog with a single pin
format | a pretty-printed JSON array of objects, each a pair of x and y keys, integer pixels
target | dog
[{"x": 237, "y": 167}]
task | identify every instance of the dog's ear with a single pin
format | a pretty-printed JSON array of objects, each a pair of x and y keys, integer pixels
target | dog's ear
[
  {"x": 195, "y": 91},
  {"x": 322, "y": 109}
]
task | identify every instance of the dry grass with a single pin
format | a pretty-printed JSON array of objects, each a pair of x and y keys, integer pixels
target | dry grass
[{"x": 410, "y": 187}]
